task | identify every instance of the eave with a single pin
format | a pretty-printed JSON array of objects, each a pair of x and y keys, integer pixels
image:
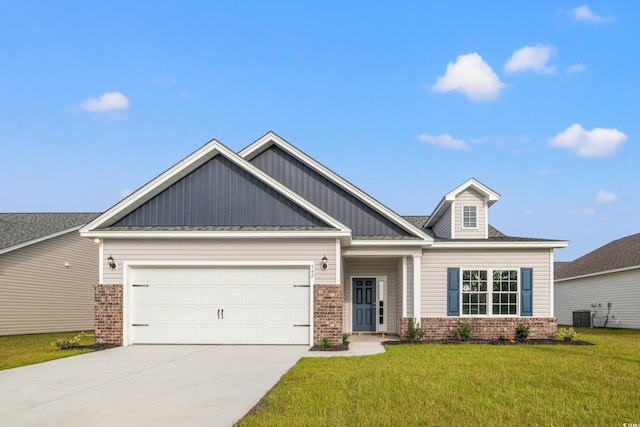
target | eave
[{"x": 556, "y": 244}]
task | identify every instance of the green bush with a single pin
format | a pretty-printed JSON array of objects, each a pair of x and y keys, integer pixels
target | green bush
[
  {"x": 345, "y": 338},
  {"x": 414, "y": 332},
  {"x": 324, "y": 342},
  {"x": 68, "y": 344},
  {"x": 464, "y": 331},
  {"x": 567, "y": 334},
  {"x": 522, "y": 332}
]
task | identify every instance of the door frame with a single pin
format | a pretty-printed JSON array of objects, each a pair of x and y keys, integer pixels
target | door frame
[{"x": 380, "y": 327}]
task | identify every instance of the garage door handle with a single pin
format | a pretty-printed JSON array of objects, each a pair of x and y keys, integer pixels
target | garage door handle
[
  {"x": 295, "y": 326},
  {"x": 140, "y": 324}
]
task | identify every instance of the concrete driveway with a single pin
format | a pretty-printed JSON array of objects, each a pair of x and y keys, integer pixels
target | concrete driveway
[{"x": 145, "y": 385}]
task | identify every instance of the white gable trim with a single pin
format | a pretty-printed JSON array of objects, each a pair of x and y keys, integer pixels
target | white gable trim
[
  {"x": 490, "y": 196},
  {"x": 272, "y": 139},
  {"x": 38, "y": 240},
  {"x": 183, "y": 168}
]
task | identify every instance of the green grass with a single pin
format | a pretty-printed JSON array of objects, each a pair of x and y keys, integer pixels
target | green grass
[
  {"x": 468, "y": 384},
  {"x": 20, "y": 350}
]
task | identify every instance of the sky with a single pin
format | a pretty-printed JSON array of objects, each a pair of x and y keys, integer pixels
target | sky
[{"x": 538, "y": 100}]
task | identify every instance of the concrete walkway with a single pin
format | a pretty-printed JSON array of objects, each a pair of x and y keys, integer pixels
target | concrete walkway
[
  {"x": 359, "y": 345},
  {"x": 145, "y": 385}
]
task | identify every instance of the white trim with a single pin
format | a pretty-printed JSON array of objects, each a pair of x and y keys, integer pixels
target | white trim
[
  {"x": 417, "y": 294},
  {"x": 100, "y": 265},
  {"x": 338, "y": 262},
  {"x": 489, "y": 292},
  {"x": 486, "y": 219},
  {"x": 215, "y": 234},
  {"x": 498, "y": 245},
  {"x": 551, "y": 285},
  {"x": 598, "y": 273},
  {"x": 378, "y": 252},
  {"x": 128, "y": 265},
  {"x": 450, "y": 197},
  {"x": 398, "y": 242},
  {"x": 38, "y": 240},
  {"x": 476, "y": 217},
  {"x": 379, "y": 327},
  {"x": 264, "y": 142},
  {"x": 405, "y": 284}
]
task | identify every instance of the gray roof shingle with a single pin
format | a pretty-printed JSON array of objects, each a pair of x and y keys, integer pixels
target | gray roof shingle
[
  {"x": 621, "y": 253},
  {"x": 17, "y": 228}
]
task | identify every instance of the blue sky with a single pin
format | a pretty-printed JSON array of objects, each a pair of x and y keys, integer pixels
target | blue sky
[{"x": 537, "y": 100}]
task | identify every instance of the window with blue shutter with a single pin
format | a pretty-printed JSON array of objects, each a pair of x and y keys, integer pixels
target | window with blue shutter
[
  {"x": 453, "y": 291},
  {"x": 526, "y": 292}
]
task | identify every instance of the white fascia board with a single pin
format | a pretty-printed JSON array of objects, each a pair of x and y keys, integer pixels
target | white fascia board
[
  {"x": 393, "y": 251},
  {"x": 500, "y": 245},
  {"x": 599, "y": 273},
  {"x": 38, "y": 240},
  {"x": 379, "y": 243},
  {"x": 217, "y": 234},
  {"x": 261, "y": 144},
  {"x": 490, "y": 196}
]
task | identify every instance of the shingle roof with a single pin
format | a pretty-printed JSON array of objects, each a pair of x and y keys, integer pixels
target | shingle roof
[
  {"x": 17, "y": 228},
  {"x": 621, "y": 253},
  {"x": 421, "y": 220}
]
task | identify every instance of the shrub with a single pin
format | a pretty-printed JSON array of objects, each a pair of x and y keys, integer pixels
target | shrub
[
  {"x": 522, "y": 332},
  {"x": 324, "y": 342},
  {"x": 464, "y": 331},
  {"x": 68, "y": 344},
  {"x": 345, "y": 338},
  {"x": 567, "y": 334},
  {"x": 414, "y": 331}
]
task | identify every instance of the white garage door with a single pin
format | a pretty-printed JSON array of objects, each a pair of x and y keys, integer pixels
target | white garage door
[{"x": 219, "y": 305}]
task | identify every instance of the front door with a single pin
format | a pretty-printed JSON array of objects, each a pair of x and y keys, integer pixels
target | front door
[{"x": 364, "y": 305}]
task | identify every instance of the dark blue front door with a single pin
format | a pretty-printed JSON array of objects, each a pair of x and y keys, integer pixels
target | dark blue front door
[{"x": 364, "y": 308}]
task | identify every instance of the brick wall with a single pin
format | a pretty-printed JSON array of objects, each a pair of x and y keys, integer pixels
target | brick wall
[
  {"x": 327, "y": 313},
  {"x": 108, "y": 314},
  {"x": 487, "y": 328}
]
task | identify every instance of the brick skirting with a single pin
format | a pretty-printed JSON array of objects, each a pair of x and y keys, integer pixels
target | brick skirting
[
  {"x": 327, "y": 313},
  {"x": 488, "y": 328},
  {"x": 108, "y": 314}
]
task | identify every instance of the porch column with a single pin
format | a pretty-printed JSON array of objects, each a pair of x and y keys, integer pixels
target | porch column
[
  {"x": 417, "y": 314},
  {"x": 405, "y": 284}
]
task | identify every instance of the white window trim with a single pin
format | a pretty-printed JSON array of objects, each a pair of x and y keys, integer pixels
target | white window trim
[
  {"x": 476, "y": 217},
  {"x": 490, "y": 292}
]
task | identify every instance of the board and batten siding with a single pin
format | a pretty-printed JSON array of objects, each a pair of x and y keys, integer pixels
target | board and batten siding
[
  {"x": 436, "y": 261},
  {"x": 470, "y": 197},
  {"x": 279, "y": 251},
  {"x": 443, "y": 227},
  {"x": 372, "y": 267},
  {"x": 38, "y": 294},
  {"x": 621, "y": 289}
]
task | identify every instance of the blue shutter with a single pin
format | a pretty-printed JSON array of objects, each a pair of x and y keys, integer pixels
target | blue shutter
[
  {"x": 526, "y": 292},
  {"x": 453, "y": 291}
]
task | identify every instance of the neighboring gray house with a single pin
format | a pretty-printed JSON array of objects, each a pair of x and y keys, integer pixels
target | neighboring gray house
[
  {"x": 269, "y": 246},
  {"x": 605, "y": 283},
  {"x": 47, "y": 273}
]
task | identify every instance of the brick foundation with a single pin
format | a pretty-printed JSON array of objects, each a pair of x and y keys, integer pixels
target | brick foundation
[
  {"x": 446, "y": 328},
  {"x": 327, "y": 313},
  {"x": 108, "y": 314}
]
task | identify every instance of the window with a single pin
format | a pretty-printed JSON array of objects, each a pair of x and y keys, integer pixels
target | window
[
  {"x": 503, "y": 297},
  {"x": 469, "y": 217}
]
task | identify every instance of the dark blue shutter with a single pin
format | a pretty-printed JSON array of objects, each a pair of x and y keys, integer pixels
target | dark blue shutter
[
  {"x": 526, "y": 292},
  {"x": 453, "y": 291}
]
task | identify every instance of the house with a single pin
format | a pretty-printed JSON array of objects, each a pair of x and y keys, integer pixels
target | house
[
  {"x": 46, "y": 273},
  {"x": 603, "y": 285},
  {"x": 269, "y": 246}
]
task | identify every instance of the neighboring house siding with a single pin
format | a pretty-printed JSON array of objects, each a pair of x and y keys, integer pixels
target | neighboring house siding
[
  {"x": 621, "y": 289},
  {"x": 219, "y": 193},
  {"x": 436, "y": 261},
  {"x": 360, "y": 217},
  {"x": 470, "y": 197},
  {"x": 443, "y": 227},
  {"x": 244, "y": 250},
  {"x": 39, "y": 294},
  {"x": 373, "y": 267}
]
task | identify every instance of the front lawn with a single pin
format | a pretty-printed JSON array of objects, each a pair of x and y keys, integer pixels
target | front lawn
[
  {"x": 467, "y": 384},
  {"x": 20, "y": 350}
]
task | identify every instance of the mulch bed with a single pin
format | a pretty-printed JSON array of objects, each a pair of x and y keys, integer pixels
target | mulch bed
[
  {"x": 493, "y": 342},
  {"x": 341, "y": 347}
]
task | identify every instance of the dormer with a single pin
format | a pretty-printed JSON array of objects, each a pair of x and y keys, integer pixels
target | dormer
[{"x": 464, "y": 212}]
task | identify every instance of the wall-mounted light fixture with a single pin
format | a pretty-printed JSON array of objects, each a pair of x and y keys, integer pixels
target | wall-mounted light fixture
[
  {"x": 112, "y": 263},
  {"x": 324, "y": 262},
  {"x": 97, "y": 240}
]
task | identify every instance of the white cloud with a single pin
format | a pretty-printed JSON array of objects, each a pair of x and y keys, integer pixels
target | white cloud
[
  {"x": 527, "y": 212},
  {"x": 444, "y": 141},
  {"x": 107, "y": 102},
  {"x": 576, "y": 68},
  {"x": 584, "y": 14},
  {"x": 583, "y": 212},
  {"x": 543, "y": 172},
  {"x": 530, "y": 58},
  {"x": 604, "y": 197},
  {"x": 598, "y": 142},
  {"x": 472, "y": 76}
]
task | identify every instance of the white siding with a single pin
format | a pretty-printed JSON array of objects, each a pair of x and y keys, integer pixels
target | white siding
[
  {"x": 38, "y": 294},
  {"x": 621, "y": 289},
  {"x": 372, "y": 267},
  {"x": 443, "y": 227},
  {"x": 276, "y": 250},
  {"x": 470, "y": 197},
  {"x": 436, "y": 261}
]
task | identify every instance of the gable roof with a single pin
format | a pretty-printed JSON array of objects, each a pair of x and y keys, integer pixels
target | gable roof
[
  {"x": 368, "y": 218},
  {"x": 620, "y": 254},
  {"x": 135, "y": 214},
  {"x": 490, "y": 195},
  {"x": 21, "y": 229}
]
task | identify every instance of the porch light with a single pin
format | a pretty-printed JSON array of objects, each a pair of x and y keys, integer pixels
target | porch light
[
  {"x": 324, "y": 262},
  {"x": 112, "y": 263}
]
